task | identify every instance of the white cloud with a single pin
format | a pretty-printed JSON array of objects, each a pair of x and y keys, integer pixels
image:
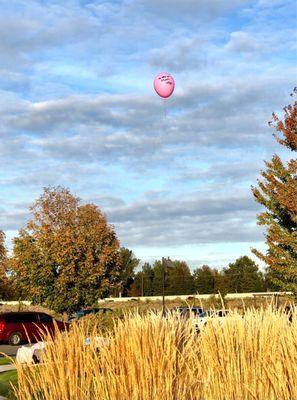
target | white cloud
[
  {"x": 77, "y": 108},
  {"x": 245, "y": 42}
]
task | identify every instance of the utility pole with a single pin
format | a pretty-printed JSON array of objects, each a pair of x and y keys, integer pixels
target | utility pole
[
  {"x": 163, "y": 287},
  {"x": 276, "y": 300},
  {"x": 142, "y": 292}
]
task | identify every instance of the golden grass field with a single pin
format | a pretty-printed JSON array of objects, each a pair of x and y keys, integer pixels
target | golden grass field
[{"x": 151, "y": 358}]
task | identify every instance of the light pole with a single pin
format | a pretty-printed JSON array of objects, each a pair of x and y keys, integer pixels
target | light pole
[
  {"x": 164, "y": 86},
  {"x": 163, "y": 287},
  {"x": 142, "y": 291}
]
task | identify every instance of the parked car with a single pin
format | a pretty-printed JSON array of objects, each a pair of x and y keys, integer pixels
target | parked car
[
  {"x": 206, "y": 316},
  {"x": 193, "y": 312},
  {"x": 215, "y": 313},
  {"x": 18, "y": 327},
  {"x": 87, "y": 311},
  {"x": 188, "y": 313}
]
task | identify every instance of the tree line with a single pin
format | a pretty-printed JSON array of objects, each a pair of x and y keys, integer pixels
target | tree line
[
  {"x": 68, "y": 255},
  {"x": 241, "y": 276},
  {"x": 58, "y": 265}
]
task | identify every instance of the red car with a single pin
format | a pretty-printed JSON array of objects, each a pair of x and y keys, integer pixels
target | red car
[{"x": 17, "y": 327}]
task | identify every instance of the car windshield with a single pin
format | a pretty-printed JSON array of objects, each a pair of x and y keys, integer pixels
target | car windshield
[
  {"x": 21, "y": 318},
  {"x": 215, "y": 313},
  {"x": 190, "y": 312},
  {"x": 79, "y": 314},
  {"x": 222, "y": 313},
  {"x": 44, "y": 318},
  {"x": 87, "y": 312},
  {"x": 204, "y": 314}
]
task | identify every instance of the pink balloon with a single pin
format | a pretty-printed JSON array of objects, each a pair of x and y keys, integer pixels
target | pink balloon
[{"x": 164, "y": 84}]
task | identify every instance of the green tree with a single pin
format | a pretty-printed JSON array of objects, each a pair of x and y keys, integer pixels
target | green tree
[
  {"x": 210, "y": 280},
  {"x": 148, "y": 277},
  {"x": 180, "y": 280},
  {"x": 244, "y": 276},
  {"x": 157, "y": 282},
  {"x": 143, "y": 282},
  {"x": 277, "y": 192},
  {"x": 68, "y": 255},
  {"x": 204, "y": 280},
  {"x": 177, "y": 278},
  {"x": 221, "y": 282},
  {"x": 128, "y": 265},
  {"x": 136, "y": 286}
]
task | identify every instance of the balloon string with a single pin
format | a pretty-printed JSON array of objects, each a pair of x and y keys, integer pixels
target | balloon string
[{"x": 165, "y": 112}]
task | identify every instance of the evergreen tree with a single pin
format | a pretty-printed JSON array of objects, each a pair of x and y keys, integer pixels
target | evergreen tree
[
  {"x": 209, "y": 280},
  {"x": 148, "y": 278},
  {"x": 221, "y": 282},
  {"x": 128, "y": 264},
  {"x": 271, "y": 279},
  {"x": 277, "y": 192},
  {"x": 204, "y": 280},
  {"x": 244, "y": 276},
  {"x": 180, "y": 280},
  {"x": 136, "y": 287},
  {"x": 158, "y": 278},
  {"x": 143, "y": 282}
]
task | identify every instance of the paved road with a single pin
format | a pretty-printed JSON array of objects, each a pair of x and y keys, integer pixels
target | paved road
[
  {"x": 9, "y": 350},
  {"x": 5, "y": 368}
]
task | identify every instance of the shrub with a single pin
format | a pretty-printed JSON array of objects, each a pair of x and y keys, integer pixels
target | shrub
[{"x": 152, "y": 358}]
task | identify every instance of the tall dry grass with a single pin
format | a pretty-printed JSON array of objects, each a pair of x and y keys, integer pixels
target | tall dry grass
[{"x": 151, "y": 358}]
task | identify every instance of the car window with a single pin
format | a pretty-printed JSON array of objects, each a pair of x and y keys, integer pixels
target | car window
[
  {"x": 44, "y": 318},
  {"x": 21, "y": 318},
  {"x": 187, "y": 312},
  {"x": 87, "y": 312},
  {"x": 197, "y": 311},
  {"x": 222, "y": 313},
  {"x": 79, "y": 314}
]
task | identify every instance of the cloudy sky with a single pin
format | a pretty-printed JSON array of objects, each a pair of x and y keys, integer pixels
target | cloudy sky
[{"x": 77, "y": 109}]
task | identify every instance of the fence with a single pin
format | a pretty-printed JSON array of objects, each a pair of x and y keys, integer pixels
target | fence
[{"x": 229, "y": 296}]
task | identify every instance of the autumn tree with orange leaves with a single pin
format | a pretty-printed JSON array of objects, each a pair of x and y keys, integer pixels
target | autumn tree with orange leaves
[
  {"x": 68, "y": 255},
  {"x": 3, "y": 267},
  {"x": 277, "y": 192},
  {"x": 2, "y": 253}
]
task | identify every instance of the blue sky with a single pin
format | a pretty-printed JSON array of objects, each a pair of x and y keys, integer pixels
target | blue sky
[{"x": 78, "y": 109}]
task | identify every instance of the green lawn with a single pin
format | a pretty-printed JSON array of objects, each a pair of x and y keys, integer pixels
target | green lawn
[
  {"x": 5, "y": 379},
  {"x": 5, "y": 361}
]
